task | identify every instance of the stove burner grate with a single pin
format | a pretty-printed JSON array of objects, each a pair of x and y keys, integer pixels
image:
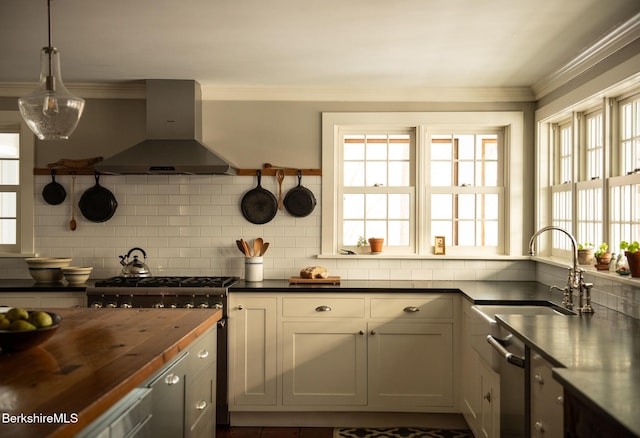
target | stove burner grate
[{"x": 176, "y": 281}]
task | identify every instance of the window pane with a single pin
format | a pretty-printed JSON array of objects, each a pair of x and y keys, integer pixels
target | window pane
[
  {"x": 376, "y": 207},
  {"x": 8, "y": 205},
  {"x": 399, "y": 206},
  {"x": 353, "y": 206},
  {"x": 376, "y": 174},
  {"x": 9, "y": 145},
  {"x": 466, "y": 233},
  {"x": 376, "y": 229},
  {"x": 466, "y": 147},
  {"x": 441, "y": 150},
  {"x": 352, "y": 230},
  {"x": 9, "y": 172},
  {"x": 466, "y": 206},
  {"x": 441, "y": 174},
  {"x": 442, "y": 206},
  {"x": 8, "y": 231},
  {"x": 399, "y": 174},
  {"x": 400, "y": 148},
  {"x": 398, "y": 233},
  {"x": 377, "y": 151},
  {"x": 354, "y": 174},
  {"x": 465, "y": 173}
]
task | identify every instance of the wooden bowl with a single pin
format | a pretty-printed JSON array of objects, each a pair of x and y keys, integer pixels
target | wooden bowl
[{"x": 11, "y": 340}]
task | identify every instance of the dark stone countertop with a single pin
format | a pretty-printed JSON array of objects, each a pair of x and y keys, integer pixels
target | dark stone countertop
[
  {"x": 596, "y": 358},
  {"x": 29, "y": 285}
]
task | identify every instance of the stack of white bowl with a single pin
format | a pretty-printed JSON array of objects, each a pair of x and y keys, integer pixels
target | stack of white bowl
[
  {"x": 47, "y": 269},
  {"x": 77, "y": 274}
]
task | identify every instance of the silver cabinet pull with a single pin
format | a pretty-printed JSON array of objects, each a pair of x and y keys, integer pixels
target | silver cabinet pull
[
  {"x": 201, "y": 405},
  {"x": 411, "y": 309},
  {"x": 487, "y": 397},
  {"x": 373, "y": 332},
  {"x": 171, "y": 379},
  {"x": 361, "y": 332},
  {"x": 240, "y": 307},
  {"x": 203, "y": 354},
  {"x": 323, "y": 309},
  {"x": 538, "y": 378}
]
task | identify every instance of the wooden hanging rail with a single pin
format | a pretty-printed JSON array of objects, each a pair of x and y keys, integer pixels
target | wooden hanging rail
[
  {"x": 269, "y": 169},
  {"x": 67, "y": 166}
]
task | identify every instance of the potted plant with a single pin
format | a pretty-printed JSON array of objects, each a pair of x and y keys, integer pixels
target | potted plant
[
  {"x": 603, "y": 257},
  {"x": 633, "y": 256},
  {"x": 376, "y": 244},
  {"x": 362, "y": 244},
  {"x": 585, "y": 253}
]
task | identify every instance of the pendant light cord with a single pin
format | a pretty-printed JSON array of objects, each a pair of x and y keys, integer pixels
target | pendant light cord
[{"x": 49, "y": 48}]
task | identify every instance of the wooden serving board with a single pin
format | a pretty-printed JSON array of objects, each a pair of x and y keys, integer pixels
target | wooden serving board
[{"x": 328, "y": 280}]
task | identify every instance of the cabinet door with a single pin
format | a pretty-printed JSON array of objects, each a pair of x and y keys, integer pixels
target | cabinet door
[
  {"x": 471, "y": 384},
  {"x": 410, "y": 364},
  {"x": 252, "y": 351},
  {"x": 490, "y": 409},
  {"x": 324, "y": 363}
]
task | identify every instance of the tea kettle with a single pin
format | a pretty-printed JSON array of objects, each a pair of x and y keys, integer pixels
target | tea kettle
[{"x": 135, "y": 267}]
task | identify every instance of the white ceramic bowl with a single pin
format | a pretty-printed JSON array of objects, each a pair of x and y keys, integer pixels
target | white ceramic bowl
[
  {"x": 47, "y": 269},
  {"x": 48, "y": 262},
  {"x": 46, "y": 275},
  {"x": 77, "y": 275}
]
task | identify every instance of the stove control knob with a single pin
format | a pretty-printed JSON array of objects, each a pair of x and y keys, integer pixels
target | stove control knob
[
  {"x": 157, "y": 305},
  {"x": 188, "y": 306},
  {"x": 96, "y": 305},
  {"x": 112, "y": 305},
  {"x": 173, "y": 306},
  {"x": 203, "y": 306},
  {"x": 217, "y": 306},
  {"x": 125, "y": 306}
]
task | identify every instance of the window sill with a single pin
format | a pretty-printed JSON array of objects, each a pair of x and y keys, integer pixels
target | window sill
[
  {"x": 369, "y": 256},
  {"x": 588, "y": 269}
]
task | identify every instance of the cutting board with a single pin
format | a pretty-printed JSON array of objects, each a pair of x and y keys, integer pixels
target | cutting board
[{"x": 328, "y": 280}]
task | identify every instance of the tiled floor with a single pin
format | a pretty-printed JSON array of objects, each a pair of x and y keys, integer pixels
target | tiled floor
[{"x": 275, "y": 432}]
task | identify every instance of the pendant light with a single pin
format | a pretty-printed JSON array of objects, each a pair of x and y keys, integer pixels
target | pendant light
[{"x": 51, "y": 111}]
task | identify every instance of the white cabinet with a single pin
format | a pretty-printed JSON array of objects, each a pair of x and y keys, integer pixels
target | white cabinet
[
  {"x": 324, "y": 363},
  {"x": 330, "y": 351},
  {"x": 252, "y": 350},
  {"x": 45, "y": 299},
  {"x": 489, "y": 424},
  {"x": 546, "y": 402}
]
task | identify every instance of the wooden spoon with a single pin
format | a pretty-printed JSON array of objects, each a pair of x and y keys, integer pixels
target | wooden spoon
[
  {"x": 241, "y": 247},
  {"x": 72, "y": 222},
  {"x": 247, "y": 249},
  {"x": 264, "y": 248},
  {"x": 280, "y": 178},
  {"x": 257, "y": 246}
]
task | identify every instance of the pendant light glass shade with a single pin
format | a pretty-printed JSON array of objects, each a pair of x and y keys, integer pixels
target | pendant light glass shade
[{"x": 51, "y": 111}]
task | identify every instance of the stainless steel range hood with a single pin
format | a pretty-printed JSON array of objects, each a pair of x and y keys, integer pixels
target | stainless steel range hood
[{"x": 174, "y": 134}]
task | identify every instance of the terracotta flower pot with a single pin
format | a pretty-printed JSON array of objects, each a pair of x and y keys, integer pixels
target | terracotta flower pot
[
  {"x": 585, "y": 256},
  {"x": 633, "y": 258},
  {"x": 376, "y": 244}
]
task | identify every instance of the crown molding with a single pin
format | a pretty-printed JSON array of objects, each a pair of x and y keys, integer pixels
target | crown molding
[
  {"x": 107, "y": 90},
  {"x": 621, "y": 36},
  {"x": 435, "y": 94}
]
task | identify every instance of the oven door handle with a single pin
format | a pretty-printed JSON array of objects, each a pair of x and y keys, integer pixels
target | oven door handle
[{"x": 509, "y": 357}]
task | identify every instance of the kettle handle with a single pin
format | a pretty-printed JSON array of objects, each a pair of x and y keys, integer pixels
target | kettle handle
[{"x": 144, "y": 254}]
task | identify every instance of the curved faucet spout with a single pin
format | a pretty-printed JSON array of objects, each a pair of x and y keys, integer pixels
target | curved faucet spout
[{"x": 574, "y": 243}]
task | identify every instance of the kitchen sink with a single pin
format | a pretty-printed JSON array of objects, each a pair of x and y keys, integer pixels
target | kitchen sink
[{"x": 483, "y": 323}]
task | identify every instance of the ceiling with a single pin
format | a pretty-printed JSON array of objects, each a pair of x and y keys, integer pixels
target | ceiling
[{"x": 297, "y": 44}]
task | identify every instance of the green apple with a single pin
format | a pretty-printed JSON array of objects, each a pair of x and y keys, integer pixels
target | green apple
[
  {"x": 40, "y": 319},
  {"x": 4, "y": 323},
  {"x": 16, "y": 313}
]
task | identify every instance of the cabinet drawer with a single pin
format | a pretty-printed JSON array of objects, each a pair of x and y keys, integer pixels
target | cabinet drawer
[
  {"x": 323, "y": 307},
  {"x": 546, "y": 400},
  {"x": 413, "y": 307},
  {"x": 202, "y": 353}
]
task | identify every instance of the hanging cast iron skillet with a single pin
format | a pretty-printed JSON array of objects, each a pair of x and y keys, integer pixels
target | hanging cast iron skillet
[
  {"x": 53, "y": 193},
  {"x": 98, "y": 203},
  {"x": 259, "y": 205},
  {"x": 299, "y": 201}
]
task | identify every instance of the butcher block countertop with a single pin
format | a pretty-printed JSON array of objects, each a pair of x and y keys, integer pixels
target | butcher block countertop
[{"x": 94, "y": 359}]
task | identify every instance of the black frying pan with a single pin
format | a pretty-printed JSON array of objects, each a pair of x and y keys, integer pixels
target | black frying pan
[
  {"x": 53, "y": 193},
  {"x": 98, "y": 203},
  {"x": 259, "y": 205},
  {"x": 299, "y": 201}
]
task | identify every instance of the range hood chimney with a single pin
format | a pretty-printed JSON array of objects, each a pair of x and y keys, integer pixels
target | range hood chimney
[{"x": 174, "y": 136}]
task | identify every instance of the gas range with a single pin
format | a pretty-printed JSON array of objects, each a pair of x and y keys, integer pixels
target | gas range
[{"x": 160, "y": 292}]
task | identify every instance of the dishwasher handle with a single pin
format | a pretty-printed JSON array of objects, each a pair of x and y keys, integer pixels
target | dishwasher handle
[{"x": 510, "y": 357}]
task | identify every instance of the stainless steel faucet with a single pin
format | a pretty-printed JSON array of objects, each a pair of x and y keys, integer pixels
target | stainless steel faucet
[{"x": 575, "y": 279}]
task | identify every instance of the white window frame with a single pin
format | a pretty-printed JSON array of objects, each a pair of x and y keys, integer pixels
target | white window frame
[
  {"x": 11, "y": 121},
  {"x": 511, "y": 121}
]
